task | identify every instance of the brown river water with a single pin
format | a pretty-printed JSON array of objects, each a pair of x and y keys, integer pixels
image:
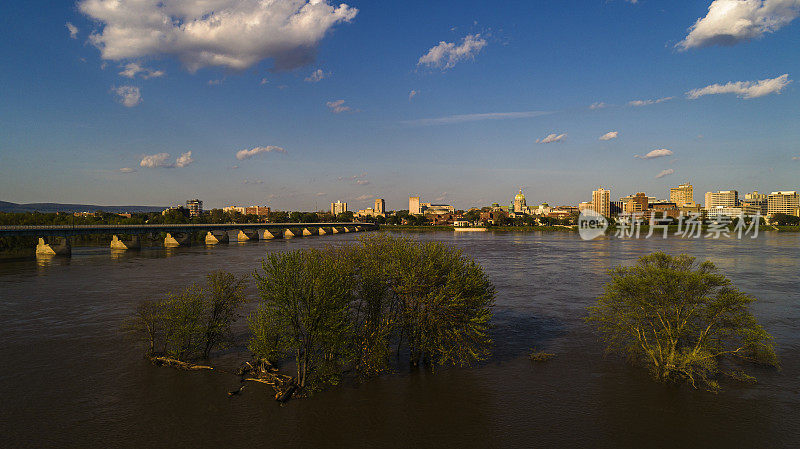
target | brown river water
[{"x": 70, "y": 378}]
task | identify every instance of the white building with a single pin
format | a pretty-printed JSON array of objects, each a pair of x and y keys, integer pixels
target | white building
[
  {"x": 724, "y": 198},
  {"x": 785, "y": 202}
]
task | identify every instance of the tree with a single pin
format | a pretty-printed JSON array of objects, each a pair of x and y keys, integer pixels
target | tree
[
  {"x": 684, "y": 321},
  {"x": 305, "y": 299},
  {"x": 785, "y": 220},
  {"x": 190, "y": 324},
  {"x": 473, "y": 215}
]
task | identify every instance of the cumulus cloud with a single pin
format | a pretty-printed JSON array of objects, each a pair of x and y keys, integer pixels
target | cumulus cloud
[
  {"x": 446, "y": 55},
  {"x": 656, "y": 153},
  {"x": 128, "y": 96},
  {"x": 597, "y": 105},
  {"x": 337, "y": 107},
  {"x": 649, "y": 102},
  {"x": 127, "y": 170},
  {"x": 461, "y": 118},
  {"x": 552, "y": 138},
  {"x": 666, "y": 172},
  {"x": 744, "y": 89},
  {"x": 316, "y": 76},
  {"x": 412, "y": 94},
  {"x": 729, "y": 22},
  {"x": 161, "y": 160},
  {"x": 247, "y": 154},
  {"x": 132, "y": 69},
  {"x": 609, "y": 135},
  {"x": 234, "y": 34},
  {"x": 73, "y": 30},
  {"x": 184, "y": 160}
]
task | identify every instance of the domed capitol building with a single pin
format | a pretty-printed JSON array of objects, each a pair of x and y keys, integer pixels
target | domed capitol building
[{"x": 519, "y": 205}]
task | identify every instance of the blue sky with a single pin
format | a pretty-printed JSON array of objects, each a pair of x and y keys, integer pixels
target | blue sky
[{"x": 510, "y": 73}]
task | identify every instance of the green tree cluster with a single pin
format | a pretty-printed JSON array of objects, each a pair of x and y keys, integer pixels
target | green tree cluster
[
  {"x": 348, "y": 309},
  {"x": 682, "y": 320},
  {"x": 190, "y": 324}
]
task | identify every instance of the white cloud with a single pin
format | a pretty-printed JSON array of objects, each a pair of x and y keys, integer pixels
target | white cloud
[
  {"x": 264, "y": 81},
  {"x": 216, "y": 82},
  {"x": 184, "y": 160},
  {"x": 729, "y": 22},
  {"x": 253, "y": 182},
  {"x": 160, "y": 160},
  {"x": 666, "y": 172},
  {"x": 649, "y": 102},
  {"x": 316, "y": 76},
  {"x": 796, "y": 158},
  {"x": 73, "y": 30},
  {"x": 155, "y": 161},
  {"x": 609, "y": 135},
  {"x": 656, "y": 153},
  {"x": 364, "y": 197},
  {"x": 461, "y": 118},
  {"x": 552, "y": 138},
  {"x": 128, "y": 96},
  {"x": 412, "y": 94},
  {"x": 132, "y": 69},
  {"x": 597, "y": 105},
  {"x": 446, "y": 55},
  {"x": 234, "y": 34},
  {"x": 127, "y": 170},
  {"x": 362, "y": 182},
  {"x": 744, "y": 89},
  {"x": 338, "y": 107},
  {"x": 247, "y": 154}
]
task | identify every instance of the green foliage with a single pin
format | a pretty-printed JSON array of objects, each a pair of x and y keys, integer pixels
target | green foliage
[
  {"x": 305, "y": 298},
  {"x": 684, "y": 321},
  {"x": 784, "y": 220},
  {"x": 190, "y": 324},
  {"x": 349, "y": 308}
]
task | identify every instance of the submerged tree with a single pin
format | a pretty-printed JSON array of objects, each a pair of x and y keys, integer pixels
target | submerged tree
[
  {"x": 684, "y": 321},
  {"x": 349, "y": 308},
  {"x": 190, "y": 324}
]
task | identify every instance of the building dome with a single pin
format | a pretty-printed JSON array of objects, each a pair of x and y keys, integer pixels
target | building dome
[{"x": 520, "y": 196}]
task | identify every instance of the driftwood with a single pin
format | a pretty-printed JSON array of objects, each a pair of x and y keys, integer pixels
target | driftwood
[
  {"x": 263, "y": 372},
  {"x": 175, "y": 363}
]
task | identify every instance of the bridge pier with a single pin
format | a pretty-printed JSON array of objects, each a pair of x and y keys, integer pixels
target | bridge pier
[
  {"x": 322, "y": 231},
  {"x": 216, "y": 237},
  {"x": 334, "y": 230},
  {"x": 346, "y": 230},
  {"x": 306, "y": 232},
  {"x": 125, "y": 244},
  {"x": 266, "y": 235},
  {"x": 54, "y": 248},
  {"x": 244, "y": 236},
  {"x": 180, "y": 239},
  {"x": 287, "y": 233}
]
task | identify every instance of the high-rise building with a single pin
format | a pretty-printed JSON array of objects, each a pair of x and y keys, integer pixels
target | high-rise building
[
  {"x": 682, "y": 195},
  {"x": 601, "y": 201},
  {"x": 380, "y": 206},
  {"x": 195, "y": 207},
  {"x": 754, "y": 203},
  {"x": 637, "y": 203},
  {"x": 785, "y": 202},
  {"x": 338, "y": 207},
  {"x": 413, "y": 205},
  {"x": 261, "y": 211},
  {"x": 724, "y": 198}
]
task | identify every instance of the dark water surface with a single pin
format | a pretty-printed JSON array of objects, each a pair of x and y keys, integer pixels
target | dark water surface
[{"x": 69, "y": 378}]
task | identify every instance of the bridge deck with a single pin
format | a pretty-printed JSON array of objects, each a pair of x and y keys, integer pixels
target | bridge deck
[{"x": 69, "y": 230}]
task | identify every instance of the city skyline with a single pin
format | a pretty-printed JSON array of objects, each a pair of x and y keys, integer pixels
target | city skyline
[{"x": 478, "y": 102}]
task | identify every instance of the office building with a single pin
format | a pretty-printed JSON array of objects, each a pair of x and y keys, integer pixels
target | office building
[
  {"x": 261, "y": 211},
  {"x": 785, "y": 202},
  {"x": 195, "y": 207},
  {"x": 636, "y": 203},
  {"x": 682, "y": 195},
  {"x": 601, "y": 201},
  {"x": 338, "y": 207},
  {"x": 414, "y": 206},
  {"x": 380, "y": 206},
  {"x": 724, "y": 198},
  {"x": 754, "y": 203}
]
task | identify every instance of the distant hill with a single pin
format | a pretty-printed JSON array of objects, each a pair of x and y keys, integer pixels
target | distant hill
[{"x": 5, "y": 206}]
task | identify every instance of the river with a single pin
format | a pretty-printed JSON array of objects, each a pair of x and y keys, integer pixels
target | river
[{"x": 70, "y": 378}]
